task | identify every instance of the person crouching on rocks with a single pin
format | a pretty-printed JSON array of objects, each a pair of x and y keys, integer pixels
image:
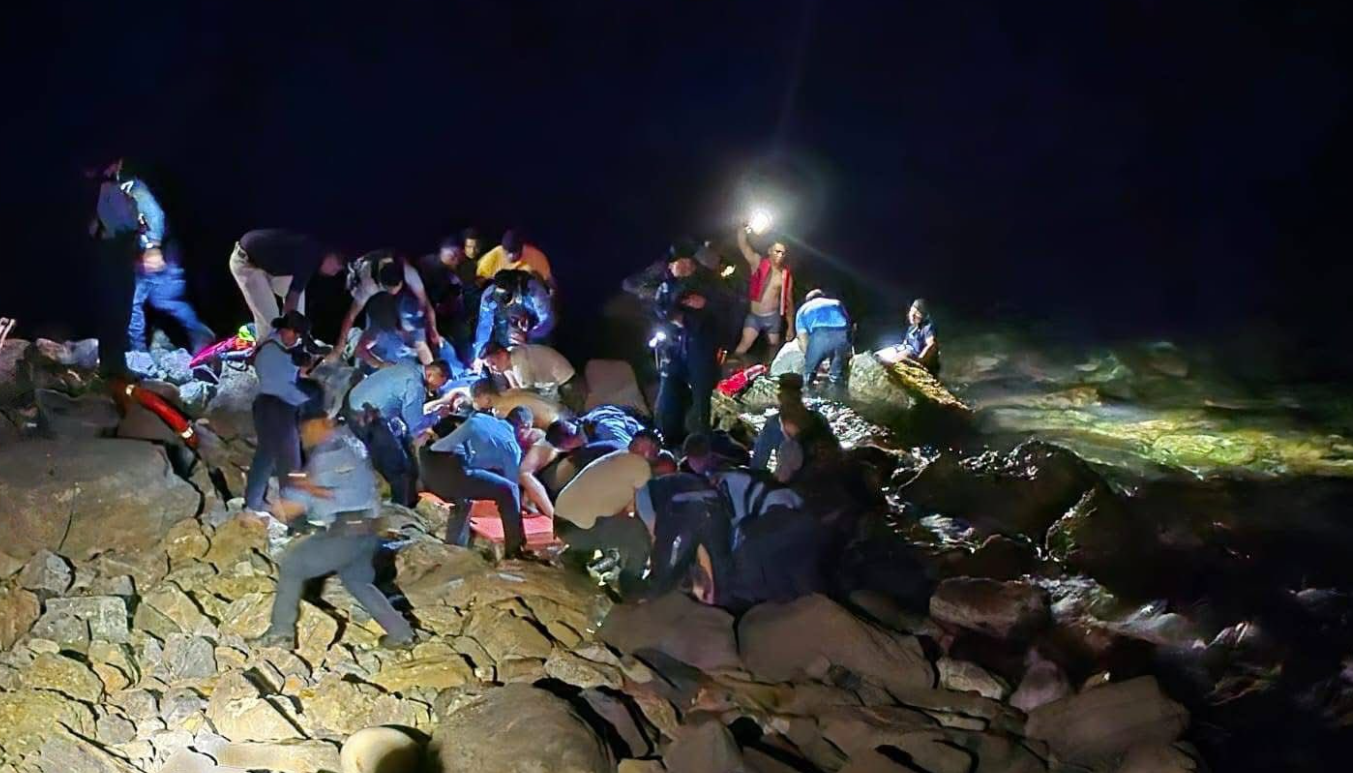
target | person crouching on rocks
[
  {"x": 920, "y": 346},
  {"x": 338, "y": 495}
]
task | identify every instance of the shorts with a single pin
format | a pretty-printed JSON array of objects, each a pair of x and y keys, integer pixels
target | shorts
[{"x": 771, "y": 324}]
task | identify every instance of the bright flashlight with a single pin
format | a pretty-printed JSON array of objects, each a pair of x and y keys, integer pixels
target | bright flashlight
[
  {"x": 658, "y": 338},
  {"x": 760, "y": 221}
]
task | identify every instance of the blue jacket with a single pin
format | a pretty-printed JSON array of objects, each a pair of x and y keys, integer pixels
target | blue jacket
[
  {"x": 484, "y": 442},
  {"x": 277, "y": 374},
  {"x": 397, "y": 392}
]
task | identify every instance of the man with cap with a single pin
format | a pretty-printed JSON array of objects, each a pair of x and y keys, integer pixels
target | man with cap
[
  {"x": 824, "y": 334},
  {"x": 270, "y": 262},
  {"x": 279, "y": 361},
  {"x": 337, "y": 495},
  {"x": 116, "y": 226}
]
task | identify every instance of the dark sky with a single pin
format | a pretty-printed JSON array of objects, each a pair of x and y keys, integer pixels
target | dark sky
[{"x": 1144, "y": 168}]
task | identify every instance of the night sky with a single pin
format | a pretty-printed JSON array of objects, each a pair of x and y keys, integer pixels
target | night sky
[{"x": 1129, "y": 168}]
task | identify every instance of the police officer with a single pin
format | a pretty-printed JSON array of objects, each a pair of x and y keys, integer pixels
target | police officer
[{"x": 688, "y": 305}]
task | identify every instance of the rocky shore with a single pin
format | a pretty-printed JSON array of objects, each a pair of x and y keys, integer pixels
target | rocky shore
[{"x": 1016, "y": 610}]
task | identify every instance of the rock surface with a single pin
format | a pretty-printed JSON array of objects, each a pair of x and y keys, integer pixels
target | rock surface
[
  {"x": 545, "y": 732},
  {"x": 85, "y": 496}
]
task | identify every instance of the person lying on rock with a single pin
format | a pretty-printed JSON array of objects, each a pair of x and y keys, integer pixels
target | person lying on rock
[
  {"x": 487, "y": 397},
  {"x": 337, "y": 494},
  {"x": 706, "y": 454},
  {"x": 920, "y": 345},
  {"x": 536, "y": 454},
  {"x": 594, "y": 434},
  {"x": 481, "y": 459}
]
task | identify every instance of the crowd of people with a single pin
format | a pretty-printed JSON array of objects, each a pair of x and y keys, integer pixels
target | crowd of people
[{"x": 458, "y": 394}]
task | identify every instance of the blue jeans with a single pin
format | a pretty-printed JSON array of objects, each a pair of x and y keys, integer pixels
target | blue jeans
[
  {"x": 447, "y": 476},
  {"x": 833, "y": 342},
  {"x": 164, "y": 291}
]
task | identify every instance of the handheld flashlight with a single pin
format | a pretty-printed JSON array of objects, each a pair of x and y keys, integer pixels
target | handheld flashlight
[
  {"x": 657, "y": 339},
  {"x": 760, "y": 221}
]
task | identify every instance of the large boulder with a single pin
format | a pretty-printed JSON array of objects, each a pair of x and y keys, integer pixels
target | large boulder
[
  {"x": 678, "y": 626},
  {"x": 89, "y": 415},
  {"x": 1001, "y": 609},
  {"x": 1021, "y": 492},
  {"x": 781, "y": 642},
  {"x": 89, "y": 496},
  {"x": 543, "y": 732},
  {"x": 1106, "y": 722},
  {"x": 14, "y": 381}
]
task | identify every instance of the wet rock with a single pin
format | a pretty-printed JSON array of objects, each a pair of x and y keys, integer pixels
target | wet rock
[
  {"x": 676, "y": 625},
  {"x": 19, "y": 610},
  {"x": 292, "y": 757},
  {"x": 1001, "y": 609},
  {"x": 63, "y": 675},
  {"x": 64, "y": 753},
  {"x": 1022, "y": 492},
  {"x": 998, "y": 558},
  {"x": 376, "y": 749},
  {"x": 1107, "y": 721},
  {"x": 706, "y": 747},
  {"x": 962, "y": 676},
  {"x": 774, "y": 647},
  {"x": 559, "y": 739},
  {"x": 48, "y": 573},
  {"x": 1097, "y": 535},
  {"x": 86, "y": 416},
  {"x": 30, "y": 716},
  {"x": 105, "y": 616},
  {"x": 85, "y": 496},
  {"x": 1043, "y": 682}
]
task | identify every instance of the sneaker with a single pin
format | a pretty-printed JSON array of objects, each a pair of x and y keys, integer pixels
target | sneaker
[{"x": 392, "y": 642}]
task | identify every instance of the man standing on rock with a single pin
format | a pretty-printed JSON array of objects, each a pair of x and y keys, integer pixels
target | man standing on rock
[
  {"x": 771, "y": 293},
  {"x": 117, "y": 227},
  {"x": 337, "y": 494},
  {"x": 270, "y": 262}
]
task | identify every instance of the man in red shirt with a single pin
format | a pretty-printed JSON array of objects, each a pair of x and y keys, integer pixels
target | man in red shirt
[{"x": 771, "y": 294}]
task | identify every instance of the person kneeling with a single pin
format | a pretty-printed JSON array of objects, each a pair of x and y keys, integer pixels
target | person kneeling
[{"x": 338, "y": 495}]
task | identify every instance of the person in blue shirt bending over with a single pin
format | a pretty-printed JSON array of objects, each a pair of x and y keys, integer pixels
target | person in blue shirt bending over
[
  {"x": 385, "y": 410},
  {"x": 481, "y": 459},
  {"x": 824, "y": 333},
  {"x": 920, "y": 346},
  {"x": 280, "y": 361}
]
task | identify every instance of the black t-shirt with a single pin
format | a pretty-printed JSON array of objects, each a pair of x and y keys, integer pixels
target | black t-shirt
[{"x": 284, "y": 253}]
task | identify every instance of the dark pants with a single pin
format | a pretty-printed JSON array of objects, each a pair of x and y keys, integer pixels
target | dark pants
[
  {"x": 767, "y": 442},
  {"x": 679, "y": 530},
  {"x": 687, "y": 387},
  {"x": 447, "y": 476},
  {"x": 389, "y": 455},
  {"x": 626, "y": 535},
  {"x": 116, "y": 274},
  {"x": 279, "y": 447},
  {"x": 347, "y": 548},
  {"x": 824, "y": 343},
  {"x": 780, "y": 558},
  {"x": 164, "y": 291}
]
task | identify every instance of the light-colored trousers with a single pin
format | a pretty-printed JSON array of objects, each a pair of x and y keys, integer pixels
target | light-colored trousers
[{"x": 261, "y": 291}]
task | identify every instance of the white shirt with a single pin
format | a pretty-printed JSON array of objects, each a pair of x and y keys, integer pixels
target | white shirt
[{"x": 536, "y": 366}]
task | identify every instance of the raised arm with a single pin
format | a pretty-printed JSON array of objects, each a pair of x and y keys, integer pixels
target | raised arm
[{"x": 752, "y": 257}]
